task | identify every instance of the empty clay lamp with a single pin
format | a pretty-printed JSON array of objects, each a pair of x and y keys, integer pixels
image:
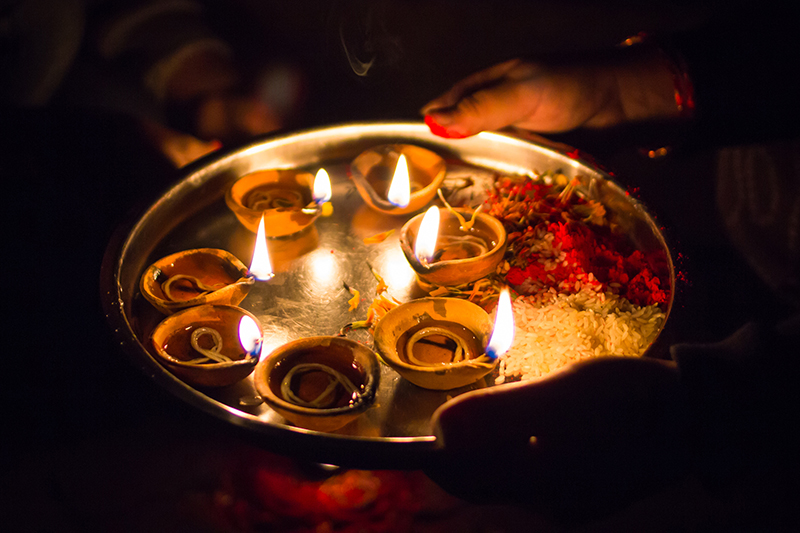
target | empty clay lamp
[
  {"x": 319, "y": 383},
  {"x": 397, "y": 179},
  {"x": 436, "y": 343},
  {"x": 456, "y": 255},
  {"x": 195, "y": 277},
  {"x": 209, "y": 345},
  {"x": 285, "y": 198}
]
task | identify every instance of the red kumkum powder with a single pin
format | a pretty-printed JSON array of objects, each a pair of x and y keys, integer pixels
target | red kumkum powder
[{"x": 561, "y": 240}]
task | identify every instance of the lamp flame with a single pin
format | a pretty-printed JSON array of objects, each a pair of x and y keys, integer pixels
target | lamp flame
[
  {"x": 400, "y": 190},
  {"x": 322, "y": 187},
  {"x": 260, "y": 266},
  {"x": 503, "y": 333},
  {"x": 250, "y": 336},
  {"x": 425, "y": 246}
]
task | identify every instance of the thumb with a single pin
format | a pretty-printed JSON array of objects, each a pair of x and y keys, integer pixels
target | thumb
[{"x": 491, "y": 108}]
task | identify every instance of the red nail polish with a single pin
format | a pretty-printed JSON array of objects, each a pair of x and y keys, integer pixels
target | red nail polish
[
  {"x": 440, "y": 130},
  {"x": 435, "y": 128}
]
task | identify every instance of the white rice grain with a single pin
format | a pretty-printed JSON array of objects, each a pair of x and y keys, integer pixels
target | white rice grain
[{"x": 554, "y": 330}]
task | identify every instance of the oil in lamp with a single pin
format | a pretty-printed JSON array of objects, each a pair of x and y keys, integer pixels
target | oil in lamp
[
  {"x": 285, "y": 198},
  {"x": 209, "y": 345},
  {"x": 319, "y": 383},
  {"x": 442, "y": 343},
  {"x": 397, "y": 179},
  {"x": 443, "y": 251},
  {"x": 195, "y": 277}
]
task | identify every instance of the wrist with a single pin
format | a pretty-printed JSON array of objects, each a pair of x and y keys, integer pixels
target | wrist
[{"x": 653, "y": 87}]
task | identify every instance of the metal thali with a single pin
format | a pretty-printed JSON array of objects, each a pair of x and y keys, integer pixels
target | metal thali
[{"x": 307, "y": 296}]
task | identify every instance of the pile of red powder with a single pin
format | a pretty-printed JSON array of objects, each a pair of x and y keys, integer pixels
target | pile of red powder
[{"x": 559, "y": 239}]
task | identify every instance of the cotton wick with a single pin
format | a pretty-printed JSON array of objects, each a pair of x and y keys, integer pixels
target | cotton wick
[
  {"x": 461, "y": 352},
  {"x": 336, "y": 379},
  {"x": 211, "y": 354},
  {"x": 201, "y": 287}
]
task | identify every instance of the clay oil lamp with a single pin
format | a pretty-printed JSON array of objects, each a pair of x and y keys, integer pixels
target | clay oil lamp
[
  {"x": 195, "y": 277},
  {"x": 209, "y": 345},
  {"x": 290, "y": 201},
  {"x": 444, "y": 343},
  {"x": 397, "y": 179},
  {"x": 319, "y": 383},
  {"x": 451, "y": 247}
]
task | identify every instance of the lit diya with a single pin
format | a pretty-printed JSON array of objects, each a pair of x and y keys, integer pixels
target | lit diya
[
  {"x": 209, "y": 345},
  {"x": 443, "y": 343},
  {"x": 195, "y": 277},
  {"x": 397, "y": 179},
  {"x": 319, "y": 383},
  {"x": 289, "y": 200},
  {"x": 453, "y": 246}
]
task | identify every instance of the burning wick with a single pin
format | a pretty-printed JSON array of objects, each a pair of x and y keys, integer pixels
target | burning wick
[
  {"x": 261, "y": 267},
  {"x": 322, "y": 187},
  {"x": 400, "y": 190},
  {"x": 425, "y": 247},
  {"x": 321, "y": 195},
  {"x": 250, "y": 336},
  {"x": 503, "y": 332}
]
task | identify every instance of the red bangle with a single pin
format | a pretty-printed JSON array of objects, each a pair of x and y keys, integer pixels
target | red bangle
[{"x": 684, "y": 88}]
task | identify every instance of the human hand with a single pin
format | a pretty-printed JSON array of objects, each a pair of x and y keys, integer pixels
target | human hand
[
  {"x": 599, "y": 432},
  {"x": 527, "y": 95},
  {"x": 555, "y": 98},
  {"x": 234, "y": 117},
  {"x": 178, "y": 147},
  {"x": 207, "y": 86}
]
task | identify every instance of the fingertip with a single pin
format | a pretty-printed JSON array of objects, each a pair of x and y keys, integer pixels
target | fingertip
[
  {"x": 436, "y": 128},
  {"x": 434, "y": 123}
]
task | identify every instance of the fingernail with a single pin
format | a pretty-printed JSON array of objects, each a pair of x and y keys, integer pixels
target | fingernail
[
  {"x": 441, "y": 131},
  {"x": 434, "y": 126}
]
